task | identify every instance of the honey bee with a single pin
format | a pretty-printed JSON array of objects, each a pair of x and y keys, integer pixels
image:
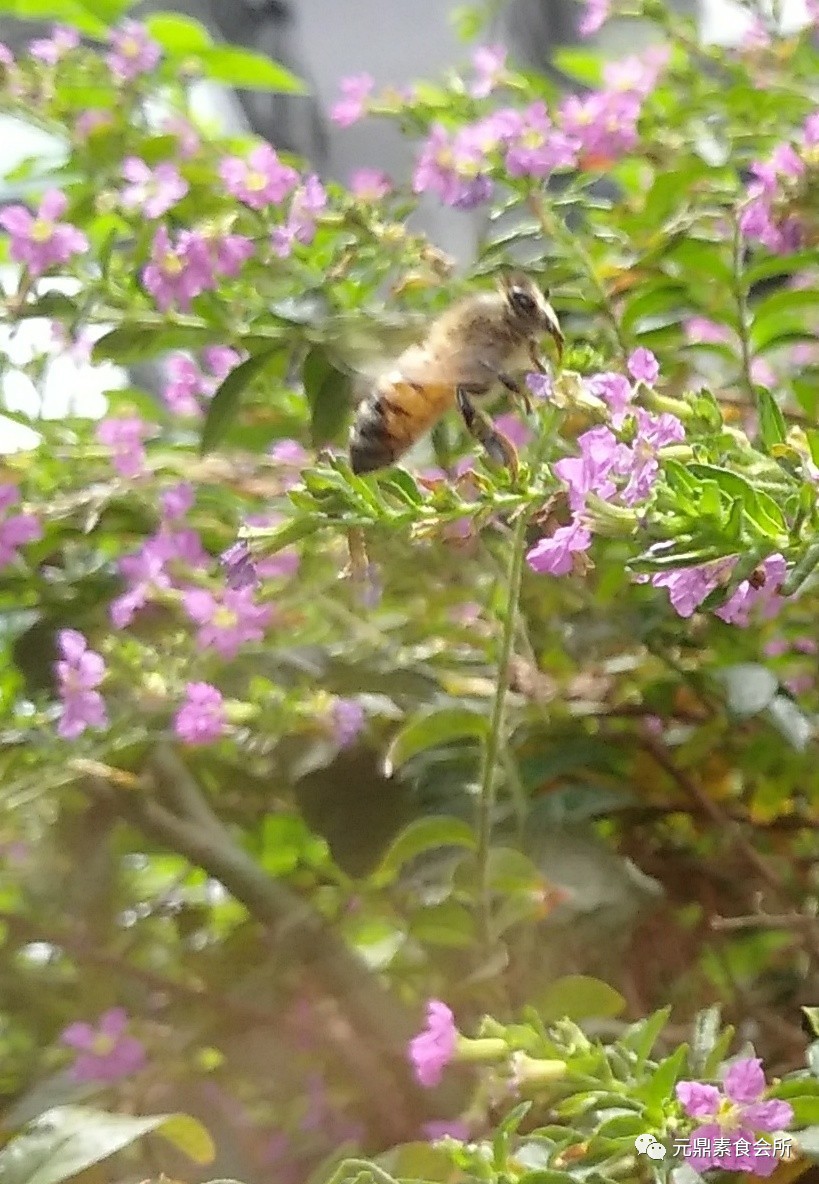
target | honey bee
[{"x": 486, "y": 340}]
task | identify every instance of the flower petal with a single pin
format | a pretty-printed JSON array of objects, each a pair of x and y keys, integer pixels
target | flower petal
[{"x": 745, "y": 1080}]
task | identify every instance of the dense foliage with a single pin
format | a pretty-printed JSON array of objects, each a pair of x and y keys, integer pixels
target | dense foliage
[{"x": 293, "y": 758}]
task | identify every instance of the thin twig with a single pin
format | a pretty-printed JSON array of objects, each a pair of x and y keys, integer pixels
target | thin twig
[
  {"x": 494, "y": 740},
  {"x": 798, "y": 921}
]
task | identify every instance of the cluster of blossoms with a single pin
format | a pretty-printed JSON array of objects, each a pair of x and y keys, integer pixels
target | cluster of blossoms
[
  {"x": 608, "y": 467},
  {"x": 194, "y": 263},
  {"x": 586, "y": 131},
  {"x": 79, "y": 672},
  {"x": 263, "y": 180},
  {"x": 16, "y": 530},
  {"x": 730, "y": 1120},
  {"x": 106, "y": 1053},
  {"x": 188, "y": 385},
  {"x": 125, "y": 436},
  {"x": 688, "y": 587},
  {"x": 201, "y": 718},
  {"x": 778, "y": 212}
]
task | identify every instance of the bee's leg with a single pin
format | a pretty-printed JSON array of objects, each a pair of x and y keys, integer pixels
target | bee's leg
[
  {"x": 479, "y": 425},
  {"x": 536, "y": 360},
  {"x": 513, "y": 386}
]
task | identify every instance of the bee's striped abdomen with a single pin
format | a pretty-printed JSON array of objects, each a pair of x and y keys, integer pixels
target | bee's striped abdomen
[{"x": 392, "y": 419}]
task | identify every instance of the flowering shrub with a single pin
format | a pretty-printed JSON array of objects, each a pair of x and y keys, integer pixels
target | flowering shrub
[{"x": 289, "y": 754}]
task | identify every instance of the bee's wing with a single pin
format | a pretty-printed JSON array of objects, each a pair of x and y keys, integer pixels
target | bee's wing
[{"x": 365, "y": 345}]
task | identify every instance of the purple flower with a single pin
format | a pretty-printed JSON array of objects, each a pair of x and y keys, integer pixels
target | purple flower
[
  {"x": 220, "y": 360},
  {"x": 702, "y": 331},
  {"x": 615, "y": 391},
  {"x": 79, "y": 672},
  {"x": 222, "y": 253},
  {"x": 370, "y": 184},
  {"x": 201, "y": 719},
  {"x": 51, "y": 49},
  {"x": 490, "y": 66},
  {"x": 641, "y": 462},
  {"x": 225, "y": 624},
  {"x": 261, "y": 180},
  {"x": 442, "y": 1128},
  {"x": 689, "y": 586},
  {"x": 125, "y": 437},
  {"x": 554, "y": 556},
  {"x": 177, "y": 273},
  {"x": 146, "y": 575},
  {"x": 151, "y": 191},
  {"x": 347, "y": 717},
  {"x": 241, "y": 570},
  {"x": 637, "y": 74},
  {"x": 643, "y": 366},
  {"x": 353, "y": 106},
  {"x": 186, "y": 382},
  {"x": 600, "y": 452},
  {"x": 539, "y": 384},
  {"x": 432, "y": 1049},
  {"x": 595, "y": 15},
  {"x": 6, "y": 56},
  {"x": 737, "y": 1113},
  {"x": 132, "y": 51},
  {"x": 177, "y": 500},
  {"x": 42, "y": 242},
  {"x": 538, "y": 148},
  {"x": 105, "y": 1053},
  {"x": 747, "y": 597},
  {"x": 308, "y": 201},
  {"x": 453, "y": 168},
  {"x": 604, "y": 123},
  {"x": 15, "y": 529}
]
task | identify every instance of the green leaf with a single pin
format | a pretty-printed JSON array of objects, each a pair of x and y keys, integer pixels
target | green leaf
[
  {"x": 432, "y": 730},
  {"x": 134, "y": 343},
  {"x": 448, "y": 925},
  {"x": 580, "y": 64},
  {"x": 178, "y": 35},
  {"x": 248, "y": 70},
  {"x": 69, "y": 1139},
  {"x": 545, "y": 1176},
  {"x": 749, "y": 687},
  {"x": 328, "y": 391},
  {"x": 642, "y": 1036},
  {"x": 224, "y": 405},
  {"x": 772, "y": 428},
  {"x": 424, "y": 834},
  {"x": 579, "y": 997},
  {"x": 706, "y": 1034},
  {"x": 759, "y": 506},
  {"x": 660, "y": 1086},
  {"x": 93, "y": 17}
]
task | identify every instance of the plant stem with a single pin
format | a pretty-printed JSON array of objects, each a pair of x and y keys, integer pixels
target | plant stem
[
  {"x": 492, "y": 747},
  {"x": 741, "y": 297}
]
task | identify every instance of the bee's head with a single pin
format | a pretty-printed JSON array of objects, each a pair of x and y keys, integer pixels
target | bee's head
[{"x": 528, "y": 307}]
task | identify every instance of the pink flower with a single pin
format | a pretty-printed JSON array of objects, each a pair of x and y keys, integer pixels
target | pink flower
[
  {"x": 15, "y": 529},
  {"x": 348, "y": 720},
  {"x": 353, "y": 106},
  {"x": 432, "y": 1049},
  {"x": 490, "y": 65},
  {"x": 688, "y": 587},
  {"x": 604, "y": 123},
  {"x": 225, "y": 624},
  {"x": 514, "y": 429},
  {"x": 454, "y": 168},
  {"x": 615, "y": 390},
  {"x": 177, "y": 500},
  {"x": 201, "y": 719},
  {"x": 186, "y": 382},
  {"x": 146, "y": 575},
  {"x": 79, "y": 672},
  {"x": 308, "y": 201},
  {"x": 105, "y": 1053},
  {"x": 762, "y": 373},
  {"x": 641, "y": 462},
  {"x": 6, "y": 56},
  {"x": 702, "y": 331},
  {"x": 643, "y": 366},
  {"x": 177, "y": 273},
  {"x": 51, "y": 49},
  {"x": 442, "y": 1128},
  {"x": 186, "y": 135},
  {"x": 125, "y": 437},
  {"x": 132, "y": 51},
  {"x": 637, "y": 74},
  {"x": 370, "y": 184},
  {"x": 259, "y": 181},
  {"x": 151, "y": 191},
  {"x": 220, "y": 360},
  {"x": 42, "y": 242},
  {"x": 594, "y": 17},
  {"x": 538, "y": 148},
  {"x": 554, "y": 556},
  {"x": 589, "y": 473},
  {"x": 241, "y": 570},
  {"x": 737, "y": 609},
  {"x": 539, "y": 384},
  {"x": 737, "y": 1113}
]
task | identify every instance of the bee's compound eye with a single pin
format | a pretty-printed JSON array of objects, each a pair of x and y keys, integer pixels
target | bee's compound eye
[{"x": 522, "y": 302}]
